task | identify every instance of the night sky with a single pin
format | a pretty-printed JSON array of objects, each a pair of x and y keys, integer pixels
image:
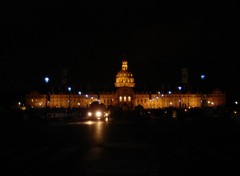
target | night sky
[{"x": 90, "y": 39}]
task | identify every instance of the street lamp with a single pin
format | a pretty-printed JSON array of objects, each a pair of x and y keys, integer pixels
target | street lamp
[
  {"x": 69, "y": 91},
  {"x": 169, "y": 98},
  {"x": 79, "y": 93},
  {"x": 46, "y": 80},
  {"x": 202, "y": 77},
  {"x": 202, "y": 82},
  {"x": 87, "y": 99},
  {"x": 180, "y": 88},
  {"x": 203, "y": 101}
]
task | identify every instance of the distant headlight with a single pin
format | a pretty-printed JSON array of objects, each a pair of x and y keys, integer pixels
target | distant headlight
[
  {"x": 89, "y": 114},
  {"x": 98, "y": 114}
]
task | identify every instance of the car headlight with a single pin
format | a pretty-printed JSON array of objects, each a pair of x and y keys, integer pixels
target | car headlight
[{"x": 98, "y": 114}]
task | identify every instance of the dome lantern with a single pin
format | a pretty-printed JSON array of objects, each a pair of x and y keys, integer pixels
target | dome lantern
[{"x": 124, "y": 78}]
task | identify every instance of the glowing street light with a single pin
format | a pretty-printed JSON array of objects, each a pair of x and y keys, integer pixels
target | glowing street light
[
  {"x": 46, "y": 80},
  {"x": 79, "y": 93},
  {"x": 202, "y": 76},
  {"x": 180, "y": 88},
  {"x": 203, "y": 101},
  {"x": 69, "y": 91},
  {"x": 87, "y": 99}
]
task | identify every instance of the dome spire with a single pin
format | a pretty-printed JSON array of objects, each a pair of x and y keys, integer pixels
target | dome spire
[
  {"x": 124, "y": 63},
  {"x": 124, "y": 78}
]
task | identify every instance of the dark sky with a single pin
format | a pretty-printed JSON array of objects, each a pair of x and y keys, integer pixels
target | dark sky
[{"x": 89, "y": 39}]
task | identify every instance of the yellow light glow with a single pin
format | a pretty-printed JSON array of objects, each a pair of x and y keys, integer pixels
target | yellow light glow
[
  {"x": 98, "y": 114},
  {"x": 89, "y": 122},
  {"x": 23, "y": 108}
]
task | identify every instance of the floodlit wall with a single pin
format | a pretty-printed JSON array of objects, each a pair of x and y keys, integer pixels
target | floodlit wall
[{"x": 147, "y": 101}]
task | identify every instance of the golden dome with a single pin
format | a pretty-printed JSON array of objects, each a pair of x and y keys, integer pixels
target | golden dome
[{"x": 124, "y": 78}]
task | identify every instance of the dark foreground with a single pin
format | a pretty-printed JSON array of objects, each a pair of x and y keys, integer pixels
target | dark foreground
[{"x": 122, "y": 146}]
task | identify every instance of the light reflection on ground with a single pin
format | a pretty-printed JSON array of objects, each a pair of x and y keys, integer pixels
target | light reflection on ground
[
  {"x": 96, "y": 129},
  {"x": 89, "y": 122}
]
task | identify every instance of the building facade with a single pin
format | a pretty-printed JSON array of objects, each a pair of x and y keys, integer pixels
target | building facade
[{"x": 126, "y": 98}]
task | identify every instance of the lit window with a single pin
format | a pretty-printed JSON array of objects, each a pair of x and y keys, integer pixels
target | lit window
[
  {"x": 129, "y": 98},
  {"x": 125, "y": 98},
  {"x": 120, "y": 98}
]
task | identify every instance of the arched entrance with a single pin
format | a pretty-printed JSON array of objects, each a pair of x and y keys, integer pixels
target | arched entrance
[{"x": 125, "y": 98}]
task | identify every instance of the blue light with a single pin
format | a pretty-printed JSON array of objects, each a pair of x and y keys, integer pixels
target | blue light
[
  {"x": 179, "y": 88},
  {"x": 202, "y": 76},
  {"x": 46, "y": 79},
  {"x": 69, "y": 89}
]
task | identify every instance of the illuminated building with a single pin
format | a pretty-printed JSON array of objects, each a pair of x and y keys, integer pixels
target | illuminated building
[{"x": 125, "y": 97}]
